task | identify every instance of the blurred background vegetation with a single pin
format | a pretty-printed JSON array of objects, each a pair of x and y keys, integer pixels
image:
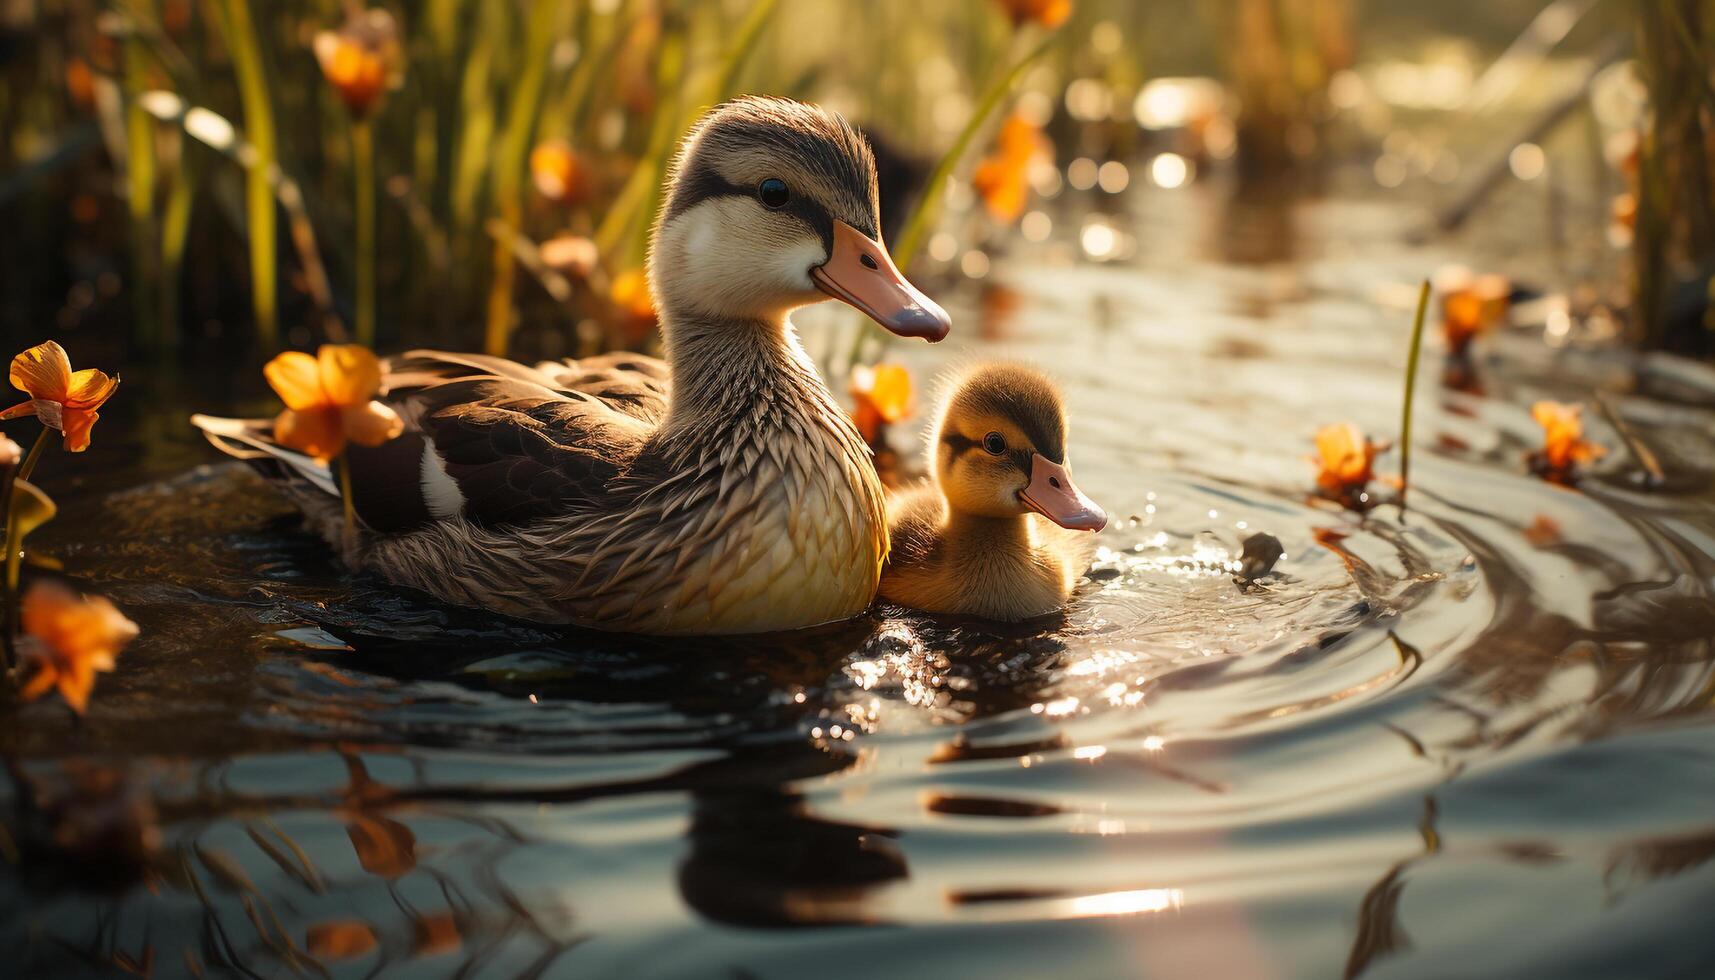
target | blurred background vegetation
[{"x": 200, "y": 179}]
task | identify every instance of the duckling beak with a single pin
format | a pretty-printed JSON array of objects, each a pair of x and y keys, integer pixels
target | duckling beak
[
  {"x": 862, "y": 274},
  {"x": 1052, "y": 494}
]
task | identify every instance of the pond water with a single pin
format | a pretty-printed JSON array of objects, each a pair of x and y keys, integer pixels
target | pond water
[{"x": 1470, "y": 740}]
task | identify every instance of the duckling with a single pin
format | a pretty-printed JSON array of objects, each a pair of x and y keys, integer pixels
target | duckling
[
  {"x": 723, "y": 491},
  {"x": 996, "y": 532}
]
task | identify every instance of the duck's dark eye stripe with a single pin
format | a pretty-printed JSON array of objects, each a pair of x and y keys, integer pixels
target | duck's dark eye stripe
[{"x": 959, "y": 443}]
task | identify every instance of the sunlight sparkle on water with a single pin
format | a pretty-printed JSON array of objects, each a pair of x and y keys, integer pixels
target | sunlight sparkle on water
[{"x": 1126, "y": 903}]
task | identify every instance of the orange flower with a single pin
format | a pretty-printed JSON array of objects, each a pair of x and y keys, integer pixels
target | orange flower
[
  {"x": 63, "y": 400},
  {"x": 340, "y": 940},
  {"x": 1471, "y": 305},
  {"x": 361, "y": 59},
  {"x": 560, "y": 173},
  {"x": 1563, "y": 442},
  {"x": 881, "y": 396},
  {"x": 10, "y": 453},
  {"x": 68, "y": 640},
  {"x": 1623, "y": 211},
  {"x": 1002, "y": 179},
  {"x": 1048, "y": 13},
  {"x": 1346, "y": 460},
  {"x": 630, "y": 296},
  {"x": 330, "y": 400}
]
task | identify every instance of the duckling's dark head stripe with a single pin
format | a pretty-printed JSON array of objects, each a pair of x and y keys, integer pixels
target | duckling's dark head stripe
[
  {"x": 1022, "y": 397},
  {"x": 1021, "y": 459}
]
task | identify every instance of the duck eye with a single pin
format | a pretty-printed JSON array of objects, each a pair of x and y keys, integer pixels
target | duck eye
[
  {"x": 993, "y": 444},
  {"x": 773, "y": 193}
]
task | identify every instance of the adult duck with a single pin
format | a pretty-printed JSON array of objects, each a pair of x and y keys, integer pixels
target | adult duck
[{"x": 723, "y": 491}]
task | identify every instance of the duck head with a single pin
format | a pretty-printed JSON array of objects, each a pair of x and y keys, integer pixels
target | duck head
[
  {"x": 1000, "y": 450},
  {"x": 772, "y": 205}
]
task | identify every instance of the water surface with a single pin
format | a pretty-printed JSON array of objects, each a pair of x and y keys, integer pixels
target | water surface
[{"x": 1472, "y": 739}]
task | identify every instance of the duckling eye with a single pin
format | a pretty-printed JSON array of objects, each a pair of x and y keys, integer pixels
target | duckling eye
[
  {"x": 994, "y": 444},
  {"x": 773, "y": 193}
]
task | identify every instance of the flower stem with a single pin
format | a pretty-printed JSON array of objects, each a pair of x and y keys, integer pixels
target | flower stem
[
  {"x": 363, "y": 171},
  {"x": 29, "y": 465},
  {"x": 345, "y": 497}
]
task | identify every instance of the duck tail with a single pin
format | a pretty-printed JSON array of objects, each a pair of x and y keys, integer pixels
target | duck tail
[{"x": 252, "y": 440}]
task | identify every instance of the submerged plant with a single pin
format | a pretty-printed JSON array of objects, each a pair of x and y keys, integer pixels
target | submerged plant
[
  {"x": 1564, "y": 447},
  {"x": 64, "y": 401},
  {"x": 68, "y": 639}
]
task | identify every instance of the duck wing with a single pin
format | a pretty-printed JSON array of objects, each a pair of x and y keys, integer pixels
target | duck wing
[
  {"x": 501, "y": 443},
  {"x": 490, "y": 440}
]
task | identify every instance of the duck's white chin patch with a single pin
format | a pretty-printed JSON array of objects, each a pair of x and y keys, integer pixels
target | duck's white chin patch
[{"x": 441, "y": 492}]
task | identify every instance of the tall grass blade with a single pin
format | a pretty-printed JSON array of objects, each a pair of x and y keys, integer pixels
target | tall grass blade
[
  {"x": 1411, "y": 361},
  {"x": 140, "y": 173},
  {"x": 175, "y": 233},
  {"x": 218, "y": 133},
  {"x": 363, "y": 172},
  {"x": 240, "y": 29},
  {"x": 539, "y": 36},
  {"x": 624, "y": 229}
]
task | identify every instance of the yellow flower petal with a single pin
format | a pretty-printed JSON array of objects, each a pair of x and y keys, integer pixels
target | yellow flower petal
[
  {"x": 296, "y": 378},
  {"x": 76, "y": 423},
  {"x": 371, "y": 424},
  {"x": 315, "y": 432},
  {"x": 40, "y": 682},
  {"x": 90, "y": 388},
  {"x": 351, "y": 375},
  {"x": 44, "y": 371}
]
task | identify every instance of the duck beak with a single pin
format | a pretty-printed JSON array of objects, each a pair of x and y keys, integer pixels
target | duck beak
[
  {"x": 1052, "y": 494},
  {"x": 861, "y": 273}
]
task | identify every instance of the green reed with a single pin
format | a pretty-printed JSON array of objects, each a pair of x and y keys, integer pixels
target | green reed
[
  {"x": 929, "y": 205},
  {"x": 1411, "y": 362},
  {"x": 363, "y": 174},
  {"x": 241, "y": 38},
  {"x": 140, "y": 173},
  {"x": 510, "y": 162}
]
